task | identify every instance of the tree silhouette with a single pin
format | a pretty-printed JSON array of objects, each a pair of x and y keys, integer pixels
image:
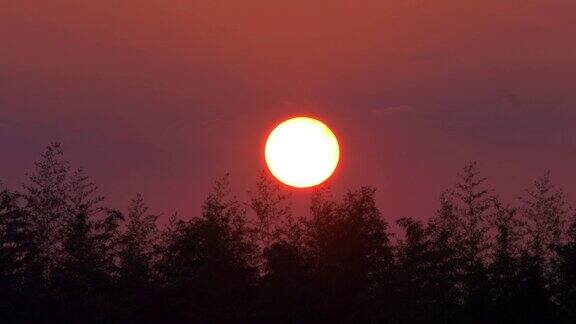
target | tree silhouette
[
  {"x": 566, "y": 276},
  {"x": 16, "y": 249},
  {"x": 211, "y": 262},
  {"x": 445, "y": 247},
  {"x": 285, "y": 292},
  {"x": 504, "y": 276},
  {"x": 83, "y": 265},
  {"x": 47, "y": 195},
  {"x": 138, "y": 252},
  {"x": 472, "y": 205},
  {"x": 349, "y": 249},
  {"x": 67, "y": 257},
  {"x": 417, "y": 275},
  {"x": 271, "y": 208},
  {"x": 81, "y": 273},
  {"x": 545, "y": 211}
]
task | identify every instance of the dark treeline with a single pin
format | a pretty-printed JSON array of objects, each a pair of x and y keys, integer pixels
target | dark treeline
[{"x": 65, "y": 257}]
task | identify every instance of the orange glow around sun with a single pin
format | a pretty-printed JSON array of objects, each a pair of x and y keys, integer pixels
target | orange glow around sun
[{"x": 302, "y": 152}]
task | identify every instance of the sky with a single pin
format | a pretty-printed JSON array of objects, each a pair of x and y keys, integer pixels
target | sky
[{"x": 164, "y": 97}]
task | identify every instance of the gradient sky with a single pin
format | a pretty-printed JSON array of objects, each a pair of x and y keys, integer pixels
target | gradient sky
[{"x": 164, "y": 96}]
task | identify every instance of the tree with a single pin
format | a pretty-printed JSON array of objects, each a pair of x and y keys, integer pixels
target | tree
[
  {"x": 471, "y": 204},
  {"x": 565, "y": 269},
  {"x": 416, "y": 275},
  {"x": 83, "y": 266},
  {"x": 545, "y": 212},
  {"x": 83, "y": 195},
  {"x": 271, "y": 208},
  {"x": 15, "y": 252},
  {"x": 47, "y": 194},
  {"x": 348, "y": 246},
  {"x": 285, "y": 288},
  {"x": 62, "y": 261},
  {"x": 64, "y": 209},
  {"x": 477, "y": 259},
  {"x": 139, "y": 242},
  {"x": 137, "y": 256},
  {"x": 471, "y": 201},
  {"x": 210, "y": 263},
  {"x": 445, "y": 244},
  {"x": 534, "y": 294},
  {"x": 108, "y": 239},
  {"x": 504, "y": 274},
  {"x": 81, "y": 275}
]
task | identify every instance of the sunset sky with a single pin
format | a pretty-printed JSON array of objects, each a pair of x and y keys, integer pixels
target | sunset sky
[{"x": 165, "y": 96}]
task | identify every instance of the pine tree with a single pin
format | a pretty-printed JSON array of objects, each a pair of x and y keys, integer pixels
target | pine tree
[
  {"x": 211, "y": 262},
  {"x": 139, "y": 242},
  {"x": 504, "y": 276},
  {"x": 83, "y": 195},
  {"x": 545, "y": 212},
  {"x": 81, "y": 271},
  {"x": 445, "y": 244},
  {"x": 81, "y": 257},
  {"x": 349, "y": 249},
  {"x": 534, "y": 294},
  {"x": 138, "y": 254},
  {"x": 15, "y": 252},
  {"x": 108, "y": 239},
  {"x": 471, "y": 205},
  {"x": 47, "y": 203},
  {"x": 416, "y": 275},
  {"x": 565, "y": 270},
  {"x": 471, "y": 201}
]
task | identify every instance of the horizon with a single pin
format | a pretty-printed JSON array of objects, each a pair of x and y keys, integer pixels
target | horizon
[{"x": 299, "y": 198}]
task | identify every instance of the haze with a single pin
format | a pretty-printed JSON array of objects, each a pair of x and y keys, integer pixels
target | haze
[{"x": 163, "y": 97}]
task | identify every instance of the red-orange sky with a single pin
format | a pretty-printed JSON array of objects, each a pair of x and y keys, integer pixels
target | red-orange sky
[{"x": 164, "y": 96}]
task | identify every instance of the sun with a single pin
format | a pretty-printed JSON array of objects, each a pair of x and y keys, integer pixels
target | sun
[{"x": 302, "y": 152}]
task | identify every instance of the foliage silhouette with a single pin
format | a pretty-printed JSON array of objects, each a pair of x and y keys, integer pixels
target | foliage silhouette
[{"x": 66, "y": 257}]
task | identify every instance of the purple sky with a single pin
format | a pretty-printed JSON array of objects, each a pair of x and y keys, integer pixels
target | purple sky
[{"x": 163, "y": 97}]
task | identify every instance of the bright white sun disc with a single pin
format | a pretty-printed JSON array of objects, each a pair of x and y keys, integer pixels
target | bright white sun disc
[{"x": 302, "y": 152}]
